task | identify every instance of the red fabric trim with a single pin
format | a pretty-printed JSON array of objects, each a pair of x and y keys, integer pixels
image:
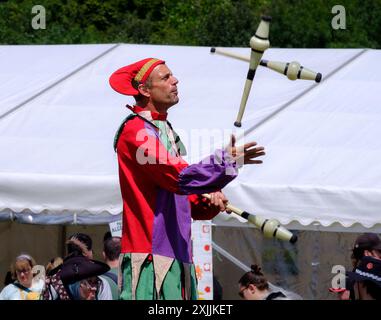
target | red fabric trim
[
  {"x": 149, "y": 70},
  {"x": 155, "y": 115}
]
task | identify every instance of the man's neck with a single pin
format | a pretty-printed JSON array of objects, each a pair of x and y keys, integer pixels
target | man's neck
[
  {"x": 153, "y": 108},
  {"x": 113, "y": 264}
]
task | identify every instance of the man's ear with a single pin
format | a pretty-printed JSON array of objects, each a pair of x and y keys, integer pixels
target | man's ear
[{"x": 143, "y": 90}]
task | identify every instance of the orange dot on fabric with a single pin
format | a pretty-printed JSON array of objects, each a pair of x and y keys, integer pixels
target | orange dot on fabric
[{"x": 207, "y": 289}]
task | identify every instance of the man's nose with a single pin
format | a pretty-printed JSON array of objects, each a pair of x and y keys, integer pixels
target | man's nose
[{"x": 174, "y": 80}]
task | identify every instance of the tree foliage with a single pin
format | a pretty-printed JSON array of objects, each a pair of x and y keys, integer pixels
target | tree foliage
[{"x": 296, "y": 23}]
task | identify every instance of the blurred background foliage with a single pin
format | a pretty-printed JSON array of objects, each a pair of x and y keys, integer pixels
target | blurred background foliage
[{"x": 228, "y": 23}]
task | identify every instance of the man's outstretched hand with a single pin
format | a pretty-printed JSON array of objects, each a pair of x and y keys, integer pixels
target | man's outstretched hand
[{"x": 245, "y": 154}]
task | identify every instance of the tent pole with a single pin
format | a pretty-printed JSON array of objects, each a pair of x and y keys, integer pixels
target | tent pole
[
  {"x": 315, "y": 264},
  {"x": 63, "y": 240},
  {"x": 230, "y": 257}
]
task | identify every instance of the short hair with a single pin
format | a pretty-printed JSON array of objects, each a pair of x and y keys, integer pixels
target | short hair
[
  {"x": 107, "y": 235},
  {"x": 81, "y": 237},
  {"x": 147, "y": 84},
  {"x": 112, "y": 247},
  {"x": 255, "y": 277}
]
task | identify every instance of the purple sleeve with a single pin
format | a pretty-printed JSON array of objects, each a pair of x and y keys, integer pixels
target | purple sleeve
[{"x": 210, "y": 175}]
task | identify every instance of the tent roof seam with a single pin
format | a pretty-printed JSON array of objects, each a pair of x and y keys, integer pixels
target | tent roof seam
[
  {"x": 290, "y": 102},
  {"x": 23, "y": 103}
]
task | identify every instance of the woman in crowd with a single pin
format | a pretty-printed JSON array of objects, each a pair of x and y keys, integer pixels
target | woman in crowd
[
  {"x": 254, "y": 286},
  {"x": 24, "y": 287}
]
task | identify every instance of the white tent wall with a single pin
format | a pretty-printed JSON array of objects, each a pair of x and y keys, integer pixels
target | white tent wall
[
  {"x": 59, "y": 155},
  {"x": 323, "y": 152}
]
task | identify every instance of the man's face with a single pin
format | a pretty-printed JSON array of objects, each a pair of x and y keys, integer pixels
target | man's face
[
  {"x": 88, "y": 288},
  {"x": 163, "y": 87}
]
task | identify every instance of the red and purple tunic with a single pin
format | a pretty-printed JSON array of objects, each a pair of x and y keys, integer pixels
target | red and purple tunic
[{"x": 160, "y": 191}]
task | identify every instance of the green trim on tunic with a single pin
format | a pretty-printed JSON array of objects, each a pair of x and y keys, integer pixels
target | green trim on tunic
[
  {"x": 194, "y": 288},
  {"x": 125, "y": 266},
  {"x": 145, "y": 289},
  {"x": 120, "y": 129},
  {"x": 172, "y": 285}
]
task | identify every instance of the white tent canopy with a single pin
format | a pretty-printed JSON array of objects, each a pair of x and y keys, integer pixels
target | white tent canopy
[{"x": 58, "y": 117}]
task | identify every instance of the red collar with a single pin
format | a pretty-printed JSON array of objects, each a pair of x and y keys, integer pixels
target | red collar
[{"x": 154, "y": 115}]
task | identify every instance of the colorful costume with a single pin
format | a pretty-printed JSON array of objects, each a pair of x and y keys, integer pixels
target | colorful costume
[{"x": 161, "y": 193}]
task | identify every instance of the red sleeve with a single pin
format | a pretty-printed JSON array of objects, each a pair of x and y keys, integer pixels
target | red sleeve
[
  {"x": 200, "y": 208},
  {"x": 141, "y": 148},
  {"x": 141, "y": 152}
]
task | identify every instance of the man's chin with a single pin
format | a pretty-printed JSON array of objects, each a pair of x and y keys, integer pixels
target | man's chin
[{"x": 173, "y": 102}]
